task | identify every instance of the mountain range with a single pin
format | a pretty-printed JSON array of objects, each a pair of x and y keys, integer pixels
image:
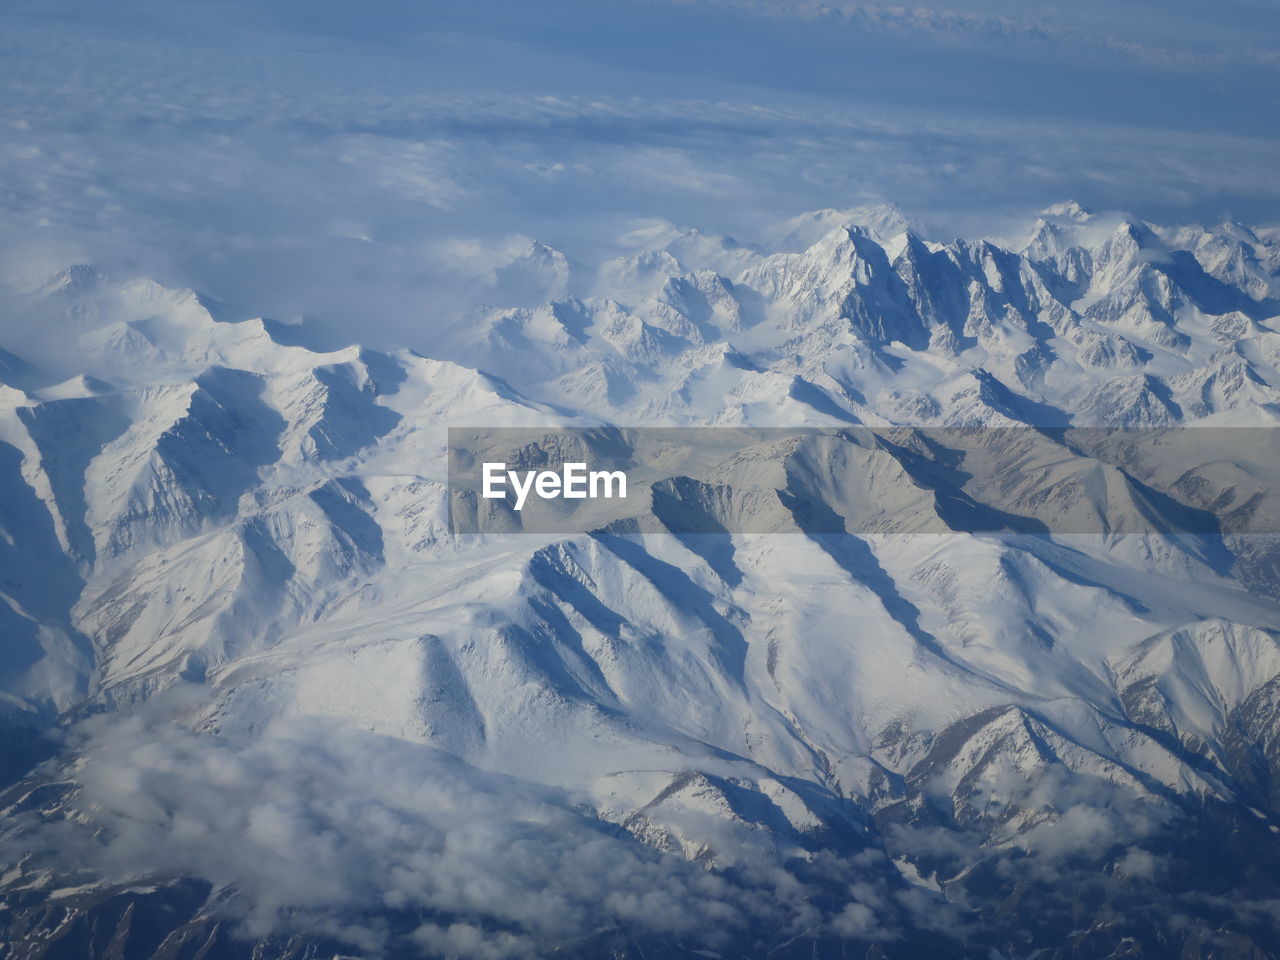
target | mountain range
[{"x": 260, "y": 699}]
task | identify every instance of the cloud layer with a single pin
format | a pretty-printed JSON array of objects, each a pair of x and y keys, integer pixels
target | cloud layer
[
  {"x": 321, "y": 829},
  {"x": 315, "y": 827},
  {"x": 308, "y": 159}
]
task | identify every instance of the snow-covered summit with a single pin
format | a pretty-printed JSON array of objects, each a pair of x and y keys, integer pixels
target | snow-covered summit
[{"x": 208, "y": 522}]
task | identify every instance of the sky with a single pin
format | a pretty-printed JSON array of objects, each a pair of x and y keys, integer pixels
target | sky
[{"x": 343, "y": 161}]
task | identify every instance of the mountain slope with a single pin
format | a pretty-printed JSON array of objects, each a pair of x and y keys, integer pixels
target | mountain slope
[{"x": 304, "y": 712}]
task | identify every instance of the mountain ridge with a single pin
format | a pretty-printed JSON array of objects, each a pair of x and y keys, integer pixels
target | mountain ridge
[{"x": 228, "y": 555}]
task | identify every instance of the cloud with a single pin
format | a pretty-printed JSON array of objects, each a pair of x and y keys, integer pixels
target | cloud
[
  {"x": 316, "y": 827},
  {"x": 294, "y": 160},
  {"x": 320, "y": 828},
  {"x": 1138, "y": 863},
  {"x": 1022, "y": 29}
]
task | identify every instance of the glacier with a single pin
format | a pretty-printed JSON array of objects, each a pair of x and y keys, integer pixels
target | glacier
[{"x": 258, "y": 698}]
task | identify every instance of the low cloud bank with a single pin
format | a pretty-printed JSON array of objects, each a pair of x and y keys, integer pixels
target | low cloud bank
[
  {"x": 319, "y": 829},
  {"x": 316, "y": 828}
]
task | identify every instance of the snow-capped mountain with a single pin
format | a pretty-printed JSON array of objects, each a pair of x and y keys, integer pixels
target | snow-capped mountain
[{"x": 283, "y": 702}]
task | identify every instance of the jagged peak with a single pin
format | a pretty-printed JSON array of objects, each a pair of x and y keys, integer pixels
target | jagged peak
[
  {"x": 844, "y": 243},
  {"x": 76, "y": 278},
  {"x": 883, "y": 222}
]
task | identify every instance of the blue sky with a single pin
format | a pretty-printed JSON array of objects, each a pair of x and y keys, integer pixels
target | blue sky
[{"x": 332, "y": 158}]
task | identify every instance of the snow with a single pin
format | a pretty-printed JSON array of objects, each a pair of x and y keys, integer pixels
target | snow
[{"x": 208, "y": 506}]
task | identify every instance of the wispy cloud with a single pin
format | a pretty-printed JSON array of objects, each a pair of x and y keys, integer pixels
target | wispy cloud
[
  {"x": 1022, "y": 29},
  {"x": 318, "y": 827}
]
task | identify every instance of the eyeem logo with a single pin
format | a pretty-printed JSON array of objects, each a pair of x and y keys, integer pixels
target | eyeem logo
[
  {"x": 573, "y": 482},
  {"x": 859, "y": 479}
]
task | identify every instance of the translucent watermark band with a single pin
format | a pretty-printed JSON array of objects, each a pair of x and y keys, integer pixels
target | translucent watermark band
[{"x": 865, "y": 480}]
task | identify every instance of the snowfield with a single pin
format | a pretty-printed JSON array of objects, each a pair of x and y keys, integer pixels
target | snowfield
[{"x": 283, "y": 708}]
